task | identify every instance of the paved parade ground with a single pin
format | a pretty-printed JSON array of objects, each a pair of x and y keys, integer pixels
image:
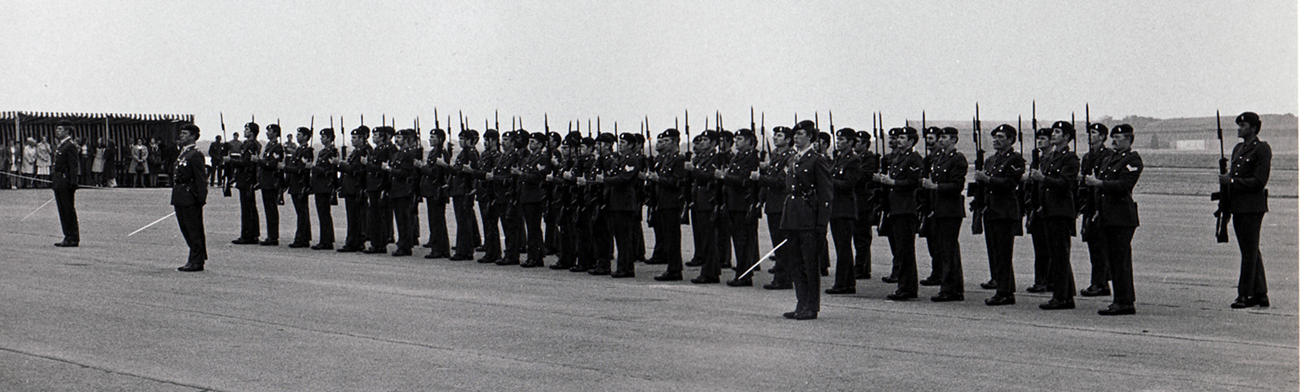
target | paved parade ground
[{"x": 114, "y": 314}]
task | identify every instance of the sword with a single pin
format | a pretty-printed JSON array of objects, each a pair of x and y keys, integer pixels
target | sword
[
  {"x": 151, "y": 224},
  {"x": 765, "y": 257},
  {"x": 29, "y": 215}
]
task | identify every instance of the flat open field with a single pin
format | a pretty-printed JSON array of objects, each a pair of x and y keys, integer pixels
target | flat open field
[{"x": 114, "y": 314}]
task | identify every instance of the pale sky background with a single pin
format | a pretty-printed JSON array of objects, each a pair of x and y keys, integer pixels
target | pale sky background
[{"x": 624, "y": 61}]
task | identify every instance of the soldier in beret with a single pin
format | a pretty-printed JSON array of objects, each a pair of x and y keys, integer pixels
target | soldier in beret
[
  {"x": 622, "y": 204},
  {"x": 721, "y": 219},
  {"x": 702, "y": 167},
  {"x": 564, "y": 201},
  {"x": 189, "y": 194},
  {"x": 740, "y": 195},
  {"x": 378, "y": 185},
  {"x": 1057, "y": 176},
  {"x": 947, "y": 178},
  {"x": 925, "y": 207},
  {"x": 597, "y": 199},
  {"x": 999, "y": 181},
  {"x": 1033, "y": 214},
  {"x": 1246, "y": 184},
  {"x": 1091, "y": 165},
  {"x": 870, "y": 165},
  {"x": 299, "y": 186},
  {"x": 807, "y": 212},
  {"x": 531, "y": 173},
  {"x": 772, "y": 176},
  {"x": 352, "y": 188},
  {"x": 489, "y": 204},
  {"x": 246, "y": 181},
  {"x": 507, "y": 191},
  {"x": 66, "y": 168},
  {"x": 269, "y": 178},
  {"x": 846, "y": 173},
  {"x": 462, "y": 195},
  {"x": 903, "y": 177},
  {"x": 433, "y": 188},
  {"x": 402, "y": 177},
  {"x": 324, "y": 182},
  {"x": 670, "y": 180},
  {"x": 1118, "y": 215}
]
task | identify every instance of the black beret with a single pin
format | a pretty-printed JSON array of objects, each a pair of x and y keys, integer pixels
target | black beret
[
  {"x": 555, "y": 137},
  {"x": 469, "y": 134},
  {"x": 491, "y": 134},
  {"x": 273, "y": 127},
  {"x": 864, "y": 136},
  {"x": 384, "y": 131},
  {"x": 824, "y": 137},
  {"x": 627, "y": 137},
  {"x": 1098, "y": 128},
  {"x": 710, "y": 135},
  {"x": 304, "y": 131},
  {"x": 908, "y": 131},
  {"x": 408, "y": 132},
  {"x": 361, "y": 131},
  {"x": 950, "y": 131},
  {"x": 1006, "y": 130},
  {"x": 806, "y": 125},
  {"x": 847, "y": 133},
  {"x": 895, "y": 131},
  {"x": 787, "y": 131},
  {"x": 1248, "y": 118},
  {"x": 746, "y": 133},
  {"x": 1066, "y": 128},
  {"x": 190, "y": 127},
  {"x": 573, "y": 135},
  {"x": 726, "y": 135},
  {"x": 437, "y": 132},
  {"x": 252, "y": 126},
  {"x": 327, "y": 132},
  {"x": 606, "y": 137},
  {"x": 670, "y": 132},
  {"x": 932, "y": 131},
  {"x": 539, "y": 136},
  {"x": 588, "y": 141},
  {"x": 1043, "y": 132},
  {"x": 1122, "y": 129}
]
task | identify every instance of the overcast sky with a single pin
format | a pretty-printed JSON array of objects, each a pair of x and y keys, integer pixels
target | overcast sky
[{"x": 624, "y": 61}]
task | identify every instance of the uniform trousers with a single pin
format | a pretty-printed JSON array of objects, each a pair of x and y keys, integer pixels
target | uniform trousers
[
  {"x": 1119, "y": 252},
  {"x": 354, "y": 206},
  {"x": 190, "y": 220},
  {"x": 380, "y": 218},
  {"x": 842, "y": 232},
  {"x": 587, "y": 240},
  {"x": 249, "y": 228},
  {"x": 862, "y": 245},
  {"x": 533, "y": 231},
  {"x": 887, "y": 230},
  {"x": 491, "y": 230},
  {"x": 302, "y": 234},
  {"x": 1098, "y": 250},
  {"x": 722, "y": 235},
  {"x": 325, "y": 218},
  {"x": 65, "y": 201},
  {"x": 801, "y": 254},
  {"x": 704, "y": 235},
  {"x": 437, "y": 210},
  {"x": 1042, "y": 255},
  {"x": 516, "y": 239},
  {"x": 999, "y": 238},
  {"x": 1060, "y": 274},
  {"x": 902, "y": 242},
  {"x": 402, "y": 214},
  {"x": 463, "y": 208},
  {"x": 620, "y": 223},
  {"x": 780, "y": 272},
  {"x": 270, "y": 205},
  {"x": 568, "y": 237},
  {"x": 604, "y": 240},
  {"x": 1252, "y": 281},
  {"x": 945, "y": 248},
  {"x": 744, "y": 239},
  {"x": 668, "y": 238}
]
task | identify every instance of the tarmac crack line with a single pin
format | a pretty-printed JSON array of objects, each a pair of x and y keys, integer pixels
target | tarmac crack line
[{"x": 106, "y": 370}]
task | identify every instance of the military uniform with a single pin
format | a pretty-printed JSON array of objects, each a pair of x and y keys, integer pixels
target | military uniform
[
  {"x": 352, "y": 188},
  {"x": 905, "y": 170},
  {"x": 741, "y": 198},
  {"x": 324, "y": 181},
  {"x": 462, "y": 198},
  {"x": 666, "y": 213},
  {"x": 507, "y": 191},
  {"x": 433, "y": 188},
  {"x": 804, "y": 220},
  {"x": 299, "y": 189},
  {"x": 868, "y": 215},
  {"x": 66, "y": 168},
  {"x": 269, "y": 180},
  {"x": 1118, "y": 218},
  {"x": 622, "y": 204},
  {"x": 1056, "y": 191},
  {"x": 380, "y": 213},
  {"x": 1252, "y": 160},
  {"x": 582, "y": 168},
  {"x": 189, "y": 194},
  {"x": 532, "y": 196},
  {"x": 948, "y": 208},
  {"x": 704, "y": 213},
  {"x": 489, "y": 204},
  {"x": 246, "y": 182},
  {"x": 403, "y": 180},
  {"x": 846, "y": 173},
  {"x": 1002, "y": 217},
  {"x": 1091, "y": 165},
  {"x": 773, "y": 179}
]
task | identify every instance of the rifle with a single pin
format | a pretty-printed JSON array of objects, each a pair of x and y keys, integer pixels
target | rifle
[
  {"x": 648, "y": 187},
  {"x": 764, "y": 155},
  {"x": 879, "y": 193},
  {"x": 225, "y": 161},
  {"x": 926, "y": 206},
  {"x": 978, "y": 202},
  {"x": 1031, "y": 195},
  {"x": 1222, "y": 215},
  {"x": 688, "y": 202},
  {"x": 1091, "y": 207}
]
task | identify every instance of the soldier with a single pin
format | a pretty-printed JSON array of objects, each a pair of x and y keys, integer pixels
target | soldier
[
  {"x": 1246, "y": 183},
  {"x": 620, "y": 186},
  {"x": 945, "y": 183},
  {"x": 584, "y": 164},
  {"x": 823, "y": 145},
  {"x": 352, "y": 187},
  {"x": 188, "y": 197},
  {"x": 531, "y": 172},
  {"x": 903, "y": 177},
  {"x": 246, "y": 181},
  {"x": 845, "y": 175},
  {"x": 299, "y": 186},
  {"x": 1057, "y": 176},
  {"x": 433, "y": 188},
  {"x": 489, "y": 204},
  {"x": 380, "y": 213},
  {"x": 638, "y": 232},
  {"x": 1033, "y": 213},
  {"x": 740, "y": 195},
  {"x": 67, "y": 167},
  {"x": 402, "y": 177},
  {"x": 804, "y": 220},
  {"x": 269, "y": 178},
  {"x": 554, "y": 202},
  {"x": 596, "y": 199},
  {"x": 886, "y": 227},
  {"x": 324, "y": 182},
  {"x": 1091, "y": 165},
  {"x": 998, "y": 181},
  {"x": 462, "y": 195},
  {"x": 1118, "y": 215},
  {"x": 217, "y": 151},
  {"x": 702, "y": 167},
  {"x": 925, "y": 207},
  {"x": 506, "y": 183},
  {"x": 867, "y": 214},
  {"x": 772, "y": 174},
  {"x": 669, "y": 178}
]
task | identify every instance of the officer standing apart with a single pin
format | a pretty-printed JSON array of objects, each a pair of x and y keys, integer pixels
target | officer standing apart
[
  {"x": 807, "y": 213},
  {"x": 1247, "y": 180},
  {"x": 67, "y": 167},
  {"x": 189, "y": 194},
  {"x": 999, "y": 181},
  {"x": 945, "y": 183},
  {"x": 1118, "y": 215},
  {"x": 1057, "y": 178}
]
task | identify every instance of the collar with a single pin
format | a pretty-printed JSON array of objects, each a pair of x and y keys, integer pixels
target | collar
[{"x": 799, "y": 154}]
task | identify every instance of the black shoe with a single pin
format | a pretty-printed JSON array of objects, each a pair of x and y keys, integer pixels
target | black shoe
[
  {"x": 1055, "y": 304},
  {"x": 1037, "y": 289},
  {"x": 990, "y": 285},
  {"x": 437, "y": 255},
  {"x": 948, "y": 297},
  {"x": 999, "y": 300},
  {"x": 842, "y": 290},
  {"x": 244, "y": 241},
  {"x": 669, "y": 277},
  {"x": 560, "y": 266},
  {"x": 1095, "y": 291},
  {"x": 507, "y": 262},
  {"x": 190, "y": 267},
  {"x": 532, "y": 264},
  {"x": 373, "y": 251},
  {"x": 865, "y": 276},
  {"x": 889, "y": 279},
  {"x": 401, "y": 252},
  {"x": 579, "y": 268},
  {"x": 654, "y": 261},
  {"x": 623, "y": 274},
  {"x": 805, "y": 316},
  {"x": 1258, "y": 300},
  {"x": 900, "y": 296},
  {"x": 778, "y": 286},
  {"x": 771, "y": 270},
  {"x": 742, "y": 282},
  {"x": 1117, "y": 310},
  {"x": 598, "y": 272},
  {"x": 930, "y": 282},
  {"x": 297, "y": 245},
  {"x": 66, "y": 244},
  {"x": 427, "y": 245},
  {"x": 348, "y": 249},
  {"x": 486, "y": 260},
  {"x": 694, "y": 263},
  {"x": 705, "y": 280},
  {"x": 322, "y": 247},
  {"x": 269, "y": 242},
  {"x": 789, "y": 315},
  {"x": 460, "y": 257}
]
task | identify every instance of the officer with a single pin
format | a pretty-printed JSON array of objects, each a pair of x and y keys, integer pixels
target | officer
[
  {"x": 740, "y": 196},
  {"x": 1057, "y": 176},
  {"x": 246, "y": 181},
  {"x": 1246, "y": 183},
  {"x": 380, "y": 213},
  {"x": 324, "y": 182},
  {"x": 702, "y": 167},
  {"x": 461, "y": 190},
  {"x": 489, "y": 204},
  {"x": 352, "y": 187},
  {"x": 189, "y": 194},
  {"x": 772, "y": 175},
  {"x": 903, "y": 177},
  {"x": 1033, "y": 213},
  {"x": 531, "y": 172},
  {"x": 1118, "y": 215},
  {"x": 867, "y": 205},
  {"x": 807, "y": 212},
  {"x": 403, "y": 180},
  {"x": 999, "y": 181},
  {"x": 433, "y": 188},
  {"x": 948, "y": 208},
  {"x": 846, "y": 173},
  {"x": 299, "y": 186},
  {"x": 1091, "y": 165},
  {"x": 66, "y": 169},
  {"x": 669, "y": 178},
  {"x": 269, "y": 180}
]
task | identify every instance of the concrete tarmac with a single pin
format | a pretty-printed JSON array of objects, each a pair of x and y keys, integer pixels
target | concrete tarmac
[{"x": 114, "y": 314}]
